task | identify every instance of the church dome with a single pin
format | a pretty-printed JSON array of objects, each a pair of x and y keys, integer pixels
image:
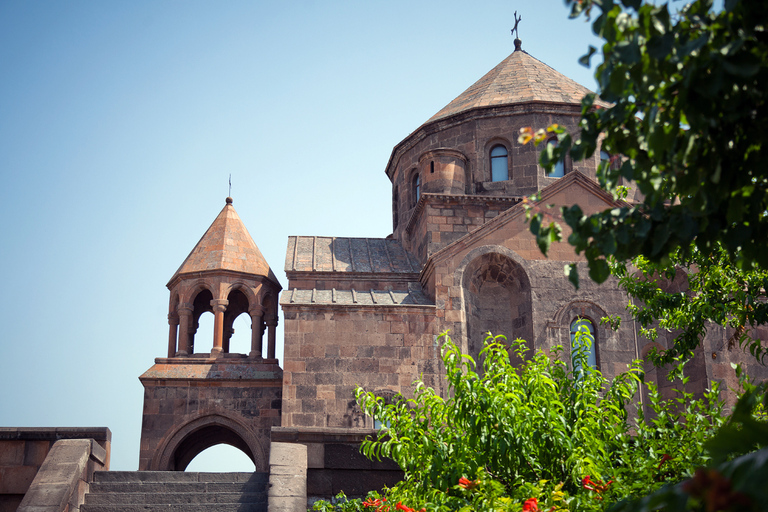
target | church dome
[{"x": 520, "y": 78}]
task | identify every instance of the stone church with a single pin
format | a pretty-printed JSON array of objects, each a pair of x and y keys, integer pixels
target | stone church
[{"x": 368, "y": 311}]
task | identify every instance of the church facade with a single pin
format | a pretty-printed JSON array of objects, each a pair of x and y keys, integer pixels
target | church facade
[{"x": 369, "y": 311}]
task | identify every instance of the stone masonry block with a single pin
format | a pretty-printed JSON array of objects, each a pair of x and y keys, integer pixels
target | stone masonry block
[
  {"x": 287, "y": 504},
  {"x": 16, "y": 479},
  {"x": 287, "y": 486},
  {"x": 288, "y": 454},
  {"x": 12, "y": 453}
]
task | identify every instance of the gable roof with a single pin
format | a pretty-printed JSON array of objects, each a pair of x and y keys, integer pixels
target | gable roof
[
  {"x": 226, "y": 245},
  {"x": 520, "y": 78}
]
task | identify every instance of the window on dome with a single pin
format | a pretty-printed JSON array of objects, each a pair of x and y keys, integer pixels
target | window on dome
[
  {"x": 583, "y": 338},
  {"x": 499, "y": 163},
  {"x": 416, "y": 188},
  {"x": 559, "y": 170}
]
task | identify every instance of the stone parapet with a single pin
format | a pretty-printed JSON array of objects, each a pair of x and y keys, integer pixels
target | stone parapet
[
  {"x": 62, "y": 481},
  {"x": 23, "y": 450}
]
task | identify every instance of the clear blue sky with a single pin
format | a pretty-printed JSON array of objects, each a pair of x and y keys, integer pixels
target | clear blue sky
[{"x": 120, "y": 123}]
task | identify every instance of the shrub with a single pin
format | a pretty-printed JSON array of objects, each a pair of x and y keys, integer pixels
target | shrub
[{"x": 537, "y": 436}]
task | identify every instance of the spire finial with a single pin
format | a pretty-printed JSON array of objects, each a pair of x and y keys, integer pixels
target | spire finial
[{"x": 518, "y": 42}]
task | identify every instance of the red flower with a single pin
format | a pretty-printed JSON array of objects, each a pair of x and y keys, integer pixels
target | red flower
[
  {"x": 402, "y": 507},
  {"x": 378, "y": 503},
  {"x": 467, "y": 484},
  {"x": 531, "y": 505},
  {"x": 596, "y": 486}
]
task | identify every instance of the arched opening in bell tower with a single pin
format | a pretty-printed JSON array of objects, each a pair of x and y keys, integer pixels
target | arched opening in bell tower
[
  {"x": 237, "y": 324},
  {"x": 200, "y": 337},
  {"x": 240, "y": 339}
]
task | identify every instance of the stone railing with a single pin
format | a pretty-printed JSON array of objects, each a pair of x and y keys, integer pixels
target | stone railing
[{"x": 48, "y": 469}]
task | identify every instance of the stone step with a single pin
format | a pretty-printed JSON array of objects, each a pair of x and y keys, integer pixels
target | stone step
[
  {"x": 176, "y": 476},
  {"x": 209, "y": 507},
  {"x": 175, "y": 487},
  {"x": 157, "y": 498},
  {"x": 176, "y": 491}
]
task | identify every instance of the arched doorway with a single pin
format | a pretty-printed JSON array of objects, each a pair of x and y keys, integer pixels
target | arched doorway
[
  {"x": 198, "y": 435},
  {"x": 221, "y": 458}
]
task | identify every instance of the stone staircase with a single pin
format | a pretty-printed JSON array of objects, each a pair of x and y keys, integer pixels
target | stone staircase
[{"x": 172, "y": 491}]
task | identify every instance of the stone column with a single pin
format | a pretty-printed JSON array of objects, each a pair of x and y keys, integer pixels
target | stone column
[
  {"x": 271, "y": 335},
  {"x": 185, "y": 319},
  {"x": 256, "y": 313},
  {"x": 219, "y": 307},
  {"x": 173, "y": 330}
]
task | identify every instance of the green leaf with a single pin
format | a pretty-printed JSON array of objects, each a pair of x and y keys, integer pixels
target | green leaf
[
  {"x": 584, "y": 59},
  {"x": 599, "y": 270}
]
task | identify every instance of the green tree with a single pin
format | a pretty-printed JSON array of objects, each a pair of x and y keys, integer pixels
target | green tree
[
  {"x": 506, "y": 435},
  {"x": 710, "y": 290},
  {"x": 688, "y": 91}
]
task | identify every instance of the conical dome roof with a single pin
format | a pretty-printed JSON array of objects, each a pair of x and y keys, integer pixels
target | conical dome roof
[
  {"x": 226, "y": 245},
  {"x": 519, "y": 78}
]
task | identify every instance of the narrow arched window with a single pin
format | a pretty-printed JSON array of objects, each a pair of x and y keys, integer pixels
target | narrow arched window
[
  {"x": 395, "y": 207},
  {"x": 416, "y": 188},
  {"x": 499, "y": 163},
  {"x": 559, "y": 170},
  {"x": 583, "y": 344}
]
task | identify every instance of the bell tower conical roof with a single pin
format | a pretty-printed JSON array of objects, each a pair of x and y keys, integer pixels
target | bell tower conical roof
[
  {"x": 226, "y": 245},
  {"x": 520, "y": 78}
]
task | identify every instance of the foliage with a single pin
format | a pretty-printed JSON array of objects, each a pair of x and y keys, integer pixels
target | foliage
[
  {"x": 688, "y": 93},
  {"x": 509, "y": 435},
  {"x": 714, "y": 291},
  {"x": 736, "y": 484},
  {"x": 339, "y": 504}
]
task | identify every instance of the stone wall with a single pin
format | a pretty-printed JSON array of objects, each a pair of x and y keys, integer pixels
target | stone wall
[
  {"x": 191, "y": 405},
  {"x": 23, "y": 451},
  {"x": 472, "y": 135},
  {"x": 440, "y": 220},
  {"x": 334, "y": 462},
  {"x": 331, "y": 349}
]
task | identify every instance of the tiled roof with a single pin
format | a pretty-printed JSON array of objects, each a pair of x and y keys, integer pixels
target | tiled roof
[
  {"x": 413, "y": 297},
  {"x": 335, "y": 254},
  {"x": 226, "y": 245},
  {"x": 519, "y": 78}
]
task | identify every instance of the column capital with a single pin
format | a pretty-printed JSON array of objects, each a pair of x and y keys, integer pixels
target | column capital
[
  {"x": 185, "y": 308},
  {"x": 271, "y": 322},
  {"x": 219, "y": 305},
  {"x": 256, "y": 310},
  {"x": 173, "y": 319}
]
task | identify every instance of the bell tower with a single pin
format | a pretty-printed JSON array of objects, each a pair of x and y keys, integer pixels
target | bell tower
[{"x": 202, "y": 394}]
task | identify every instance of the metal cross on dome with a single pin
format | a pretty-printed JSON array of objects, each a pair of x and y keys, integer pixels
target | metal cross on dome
[{"x": 514, "y": 29}]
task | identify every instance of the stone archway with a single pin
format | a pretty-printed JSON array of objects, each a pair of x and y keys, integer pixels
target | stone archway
[
  {"x": 497, "y": 298},
  {"x": 200, "y": 434}
]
